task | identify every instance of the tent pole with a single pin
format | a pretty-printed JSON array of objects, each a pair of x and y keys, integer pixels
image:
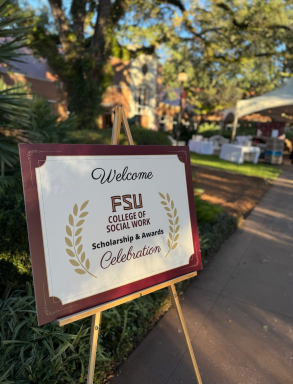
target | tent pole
[
  {"x": 234, "y": 124},
  {"x": 221, "y": 127},
  {"x": 234, "y": 129}
]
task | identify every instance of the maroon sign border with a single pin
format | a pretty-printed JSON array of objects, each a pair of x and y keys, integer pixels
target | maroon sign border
[{"x": 34, "y": 155}]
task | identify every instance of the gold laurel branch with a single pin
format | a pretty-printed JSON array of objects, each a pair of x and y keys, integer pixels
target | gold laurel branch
[
  {"x": 173, "y": 219},
  {"x": 73, "y": 241}
]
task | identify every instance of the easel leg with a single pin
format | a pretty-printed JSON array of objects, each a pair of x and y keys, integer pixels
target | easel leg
[
  {"x": 176, "y": 303},
  {"x": 96, "y": 319}
]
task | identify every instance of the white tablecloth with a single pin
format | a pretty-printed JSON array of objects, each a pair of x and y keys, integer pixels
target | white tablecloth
[
  {"x": 202, "y": 147},
  {"x": 241, "y": 139},
  {"x": 238, "y": 153}
]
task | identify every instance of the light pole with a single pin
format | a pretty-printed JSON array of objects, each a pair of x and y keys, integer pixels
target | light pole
[{"x": 182, "y": 76}]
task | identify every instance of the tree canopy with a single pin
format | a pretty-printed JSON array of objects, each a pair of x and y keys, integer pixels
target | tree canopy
[
  {"x": 78, "y": 45},
  {"x": 230, "y": 49}
]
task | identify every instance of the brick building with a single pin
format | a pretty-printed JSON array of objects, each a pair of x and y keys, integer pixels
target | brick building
[
  {"x": 136, "y": 86},
  {"x": 42, "y": 81}
]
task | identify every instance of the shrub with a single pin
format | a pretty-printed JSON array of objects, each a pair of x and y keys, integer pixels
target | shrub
[
  {"x": 50, "y": 354},
  {"x": 46, "y": 125},
  {"x": 214, "y": 226},
  {"x": 206, "y": 212},
  {"x": 53, "y": 354},
  {"x": 213, "y": 234},
  {"x": 208, "y": 129},
  {"x": 140, "y": 136},
  {"x": 289, "y": 134},
  {"x": 13, "y": 230},
  {"x": 185, "y": 133},
  {"x": 15, "y": 267},
  {"x": 143, "y": 136}
]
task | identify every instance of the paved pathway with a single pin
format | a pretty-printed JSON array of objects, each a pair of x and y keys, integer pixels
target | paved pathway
[{"x": 239, "y": 310}]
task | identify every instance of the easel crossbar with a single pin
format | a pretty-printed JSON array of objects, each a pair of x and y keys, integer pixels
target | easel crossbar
[{"x": 122, "y": 300}]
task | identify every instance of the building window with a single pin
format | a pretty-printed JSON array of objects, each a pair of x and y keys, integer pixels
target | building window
[
  {"x": 163, "y": 121},
  {"x": 141, "y": 100},
  {"x": 107, "y": 118},
  {"x": 144, "y": 69}
]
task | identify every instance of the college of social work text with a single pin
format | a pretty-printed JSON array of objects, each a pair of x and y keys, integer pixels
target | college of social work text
[{"x": 123, "y": 221}]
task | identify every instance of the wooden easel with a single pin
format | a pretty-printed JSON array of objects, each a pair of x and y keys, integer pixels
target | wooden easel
[{"x": 96, "y": 312}]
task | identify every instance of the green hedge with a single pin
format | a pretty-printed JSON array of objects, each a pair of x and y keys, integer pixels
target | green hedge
[
  {"x": 50, "y": 354},
  {"x": 140, "y": 136},
  {"x": 213, "y": 234},
  {"x": 209, "y": 129},
  {"x": 206, "y": 212},
  {"x": 15, "y": 267},
  {"x": 289, "y": 135}
]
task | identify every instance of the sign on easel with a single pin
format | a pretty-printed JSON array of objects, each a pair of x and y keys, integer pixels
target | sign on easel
[{"x": 106, "y": 222}]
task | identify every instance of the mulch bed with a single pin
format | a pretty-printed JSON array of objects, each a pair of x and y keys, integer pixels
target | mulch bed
[{"x": 237, "y": 194}]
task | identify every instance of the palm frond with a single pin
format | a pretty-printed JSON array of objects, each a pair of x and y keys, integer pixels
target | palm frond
[
  {"x": 7, "y": 182},
  {"x": 14, "y": 108},
  {"x": 12, "y": 33}
]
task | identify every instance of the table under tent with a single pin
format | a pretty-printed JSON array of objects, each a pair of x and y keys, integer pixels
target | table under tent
[{"x": 278, "y": 105}]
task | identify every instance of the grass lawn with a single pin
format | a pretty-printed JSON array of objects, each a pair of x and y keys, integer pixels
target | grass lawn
[{"x": 265, "y": 171}]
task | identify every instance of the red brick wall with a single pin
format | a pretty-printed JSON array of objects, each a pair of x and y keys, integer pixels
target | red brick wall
[{"x": 47, "y": 89}]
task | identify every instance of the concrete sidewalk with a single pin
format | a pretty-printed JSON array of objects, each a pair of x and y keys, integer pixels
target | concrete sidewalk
[{"x": 239, "y": 311}]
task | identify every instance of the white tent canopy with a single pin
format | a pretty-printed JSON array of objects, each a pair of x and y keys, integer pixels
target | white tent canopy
[
  {"x": 279, "y": 97},
  {"x": 274, "y": 103}
]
